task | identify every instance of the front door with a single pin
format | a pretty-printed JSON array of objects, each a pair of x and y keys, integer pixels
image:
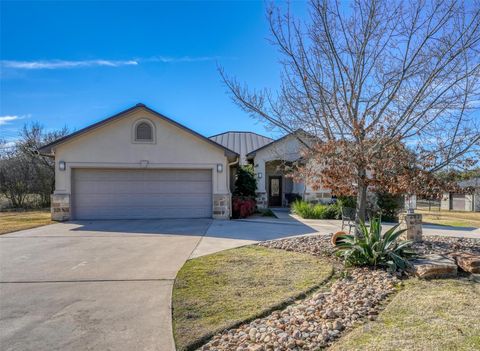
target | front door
[{"x": 275, "y": 191}]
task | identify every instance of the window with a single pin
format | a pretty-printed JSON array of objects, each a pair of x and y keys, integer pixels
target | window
[{"x": 144, "y": 132}]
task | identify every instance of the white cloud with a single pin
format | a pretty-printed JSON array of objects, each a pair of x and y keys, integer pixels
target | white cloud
[
  {"x": 66, "y": 64},
  {"x": 168, "y": 59},
  {"x": 7, "y": 119},
  {"x": 58, "y": 64}
]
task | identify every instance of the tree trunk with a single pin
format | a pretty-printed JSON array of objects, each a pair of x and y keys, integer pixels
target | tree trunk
[{"x": 361, "y": 200}]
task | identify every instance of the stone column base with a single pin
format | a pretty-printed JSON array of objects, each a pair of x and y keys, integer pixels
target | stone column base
[
  {"x": 262, "y": 200},
  {"x": 60, "y": 207},
  {"x": 412, "y": 222},
  {"x": 222, "y": 204}
]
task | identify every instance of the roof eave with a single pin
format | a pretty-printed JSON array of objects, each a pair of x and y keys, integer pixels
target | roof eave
[{"x": 47, "y": 149}]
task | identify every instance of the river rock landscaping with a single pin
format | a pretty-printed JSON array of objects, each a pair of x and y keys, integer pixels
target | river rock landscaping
[
  {"x": 355, "y": 297},
  {"x": 315, "y": 321}
]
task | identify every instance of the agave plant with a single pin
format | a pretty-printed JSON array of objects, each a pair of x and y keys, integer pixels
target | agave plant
[{"x": 372, "y": 248}]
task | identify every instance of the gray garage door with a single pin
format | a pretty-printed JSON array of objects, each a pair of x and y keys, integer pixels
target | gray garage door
[
  {"x": 136, "y": 194},
  {"x": 458, "y": 202}
]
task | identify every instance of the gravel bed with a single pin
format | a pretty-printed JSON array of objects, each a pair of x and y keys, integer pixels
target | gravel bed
[
  {"x": 319, "y": 245},
  {"x": 315, "y": 321},
  {"x": 445, "y": 245}
]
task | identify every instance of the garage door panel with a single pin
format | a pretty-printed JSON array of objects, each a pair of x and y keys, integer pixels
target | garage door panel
[
  {"x": 162, "y": 187},
  {"x": 117, "y": 194},
  {"x": 141, "y": 200}
]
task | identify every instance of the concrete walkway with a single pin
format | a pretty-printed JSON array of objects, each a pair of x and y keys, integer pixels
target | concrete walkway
[{"x": 325, "y": 226}]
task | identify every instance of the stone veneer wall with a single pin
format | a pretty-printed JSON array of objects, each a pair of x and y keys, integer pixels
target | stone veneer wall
[
  {"x": 412, "y": 222},
  {"x": 318, "y": 198},
  {"x": 222, "y": 206},
  {"x": 262, "y": 200},
  {"x": 60, "y": 207}
]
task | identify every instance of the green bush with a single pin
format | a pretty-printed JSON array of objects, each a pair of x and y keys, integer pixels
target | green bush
[
  {"x": 313, "y": 211},
  {"x": 372, "y": 248},
  {"x": 390, "y": 205},
  {"x": 245, "y": 182}
]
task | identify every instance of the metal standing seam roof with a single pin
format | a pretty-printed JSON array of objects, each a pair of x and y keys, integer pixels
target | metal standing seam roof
[{"x": 241, "y": 142}]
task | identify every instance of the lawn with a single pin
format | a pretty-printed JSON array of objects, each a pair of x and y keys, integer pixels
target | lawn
[
  {"x": 426, "y": 315},
  {"x": 13, "y": 221},
  {"x": 216, "y": 291},
  {"x": 452, "y": 218}
]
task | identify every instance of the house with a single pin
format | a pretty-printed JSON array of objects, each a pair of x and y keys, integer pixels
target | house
[
  {"x": 468, "y": 200},
  {"x": 141, "y": 164}
]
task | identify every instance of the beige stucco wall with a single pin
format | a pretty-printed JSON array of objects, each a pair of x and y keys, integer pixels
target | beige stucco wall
[
  {"x": 112, "y": 146},
  {"x": 288, "y": 149}
]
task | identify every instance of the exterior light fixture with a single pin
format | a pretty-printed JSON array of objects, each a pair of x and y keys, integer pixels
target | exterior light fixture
[
  {"x": 62, "y": 165},
  {"x": 259, "y": 175},
  {"x": 219, "y": 168}
]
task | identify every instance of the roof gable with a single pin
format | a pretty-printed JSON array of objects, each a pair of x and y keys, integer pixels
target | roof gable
[
  {"x": 47, "y": 149},
  {"x": 299, "y": 134},
  {"x": 241, "y": 142}
]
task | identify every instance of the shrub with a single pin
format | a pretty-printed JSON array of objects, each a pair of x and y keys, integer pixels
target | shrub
[
  {"x": 242, "y": 207},
  {"x": 245, "y": 182},
  {"x": 311, "y": 211},
  {"x": 389, "y": 206},
  {"x": 372, "y": 248}
]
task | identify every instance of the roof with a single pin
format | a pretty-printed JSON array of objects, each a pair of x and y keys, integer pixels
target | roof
[
  {"x": 241, "y": 142},
  {"x": 296, "y": 132},
  {"x": 47, "y": 149},
  {"x": 473, "y": 182}
]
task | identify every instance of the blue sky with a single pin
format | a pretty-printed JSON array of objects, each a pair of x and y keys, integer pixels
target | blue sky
[{"x": 75, "y": 63}]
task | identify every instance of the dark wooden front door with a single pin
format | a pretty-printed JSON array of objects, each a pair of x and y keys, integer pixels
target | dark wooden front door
[{"x": 275, "y": 191}]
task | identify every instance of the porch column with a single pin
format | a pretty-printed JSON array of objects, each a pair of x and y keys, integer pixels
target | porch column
[{"x": 261, "y": 198}]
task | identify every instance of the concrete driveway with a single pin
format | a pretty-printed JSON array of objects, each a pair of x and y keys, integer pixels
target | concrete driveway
[
  {"x": 102, "y": 285},
  {"x": 106, "y": 285}
]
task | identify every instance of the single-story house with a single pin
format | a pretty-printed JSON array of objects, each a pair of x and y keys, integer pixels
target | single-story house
[
  {"x": 468, "y": 200},
  {"x": 141, "y": 164}
]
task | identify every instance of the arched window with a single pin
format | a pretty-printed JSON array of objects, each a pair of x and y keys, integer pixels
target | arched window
[{"x": 144, "y": 132}]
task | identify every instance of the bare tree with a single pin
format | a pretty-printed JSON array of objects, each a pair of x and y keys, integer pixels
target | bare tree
[
  {"x": 377, "y": 83},
  {"x": 23, "y": 171},
  {"x": 32, "y": 137}
]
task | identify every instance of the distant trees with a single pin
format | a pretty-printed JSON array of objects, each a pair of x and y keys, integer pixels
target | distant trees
[
  {"x": 27, "y": 179},
  {"x": 391, "y": 90}
]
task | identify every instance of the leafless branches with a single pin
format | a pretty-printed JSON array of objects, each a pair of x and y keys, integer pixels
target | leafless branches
[{"x": 376, "y": 73}]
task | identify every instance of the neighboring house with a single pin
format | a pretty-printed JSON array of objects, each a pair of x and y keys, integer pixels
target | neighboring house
[
  {"x": 140, "y": 164},
  {"x": 469, "y": 200}
]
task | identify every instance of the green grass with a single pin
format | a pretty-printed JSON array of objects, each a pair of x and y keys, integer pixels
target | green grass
[
  {"x": 14, "y": 221},
  {"x": 426, "y": 315},
  {"x": 217, "y": 291}
]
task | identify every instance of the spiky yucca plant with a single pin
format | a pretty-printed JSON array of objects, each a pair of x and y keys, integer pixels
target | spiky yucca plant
[{"x": 372, "y": 248}]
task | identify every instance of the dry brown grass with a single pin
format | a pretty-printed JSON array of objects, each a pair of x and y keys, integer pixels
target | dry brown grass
[
  {"x": 219, "y": 290},
  {"x": 426, "y": 315},
  {"x": 452, "y": 218},
  {"x": 14, "y": 221}
]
